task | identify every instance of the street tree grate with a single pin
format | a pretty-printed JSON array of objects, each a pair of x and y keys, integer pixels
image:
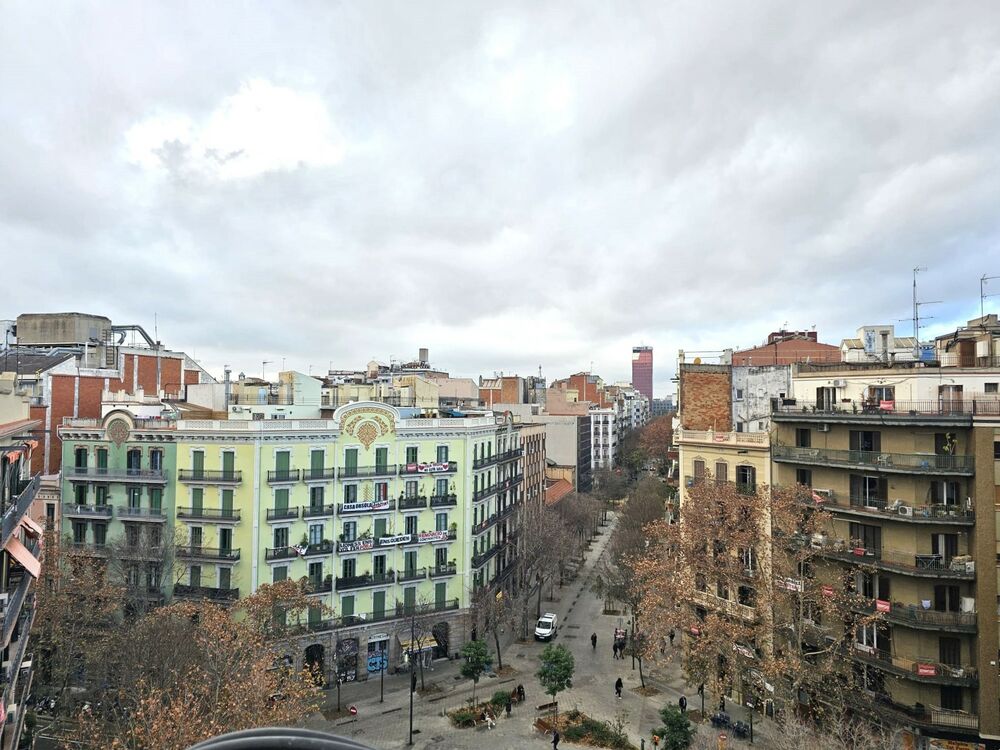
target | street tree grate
[{"x": 574, "y": 627}]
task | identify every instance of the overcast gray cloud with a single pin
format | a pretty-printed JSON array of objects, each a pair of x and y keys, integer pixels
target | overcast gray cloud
[{"x": 509, "y": 184}]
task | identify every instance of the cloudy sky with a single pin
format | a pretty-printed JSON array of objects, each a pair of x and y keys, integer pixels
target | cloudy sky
[{"x": 508, "y": 184}]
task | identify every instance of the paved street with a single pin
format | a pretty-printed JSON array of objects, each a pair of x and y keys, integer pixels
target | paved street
[{"x": 384, "y": 725}]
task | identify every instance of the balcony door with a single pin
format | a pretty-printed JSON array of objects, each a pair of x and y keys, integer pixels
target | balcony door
[
  {"x": 947, "y": 598},
  {"x": 351, "y": 462},
  {"x": 378, "y": 605},
  {"x": 868, "y": 492},
  {"x": 826, "y": 398},
  {"x": 281, "y": 464},
  {"x": 348, "y": 567},
  {"x": 440, "y": 595},
  {"x": 196, "y": 538},
  {"x": 133, "y": 460},
  {"x": 867, "y": 536},
  {"x": 198, "y": 464},
  {"x": 381, "y": 460},
  {"x": 950, "y": 651},
  {"x": 410, "y": 563},
  {"x": 228, "y": 461},
  {"x": 865, "y": 441},
  {"x": 378, "y": 566},
  {"x": 945, "y": 546}
]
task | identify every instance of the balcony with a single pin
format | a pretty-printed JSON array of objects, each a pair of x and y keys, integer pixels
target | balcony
[
  {"x": 345, "y": 583},
  {"x": 17, "y": 592},
  {"x": 118, "y": 476},
  {"x": 25, "y": 493},
  {"x": 900, "y": 561},
  {"x": 945, "y": 412},
  {"x": 319, "y": 548},
  {"x": 919, "y": 670},
  {"x": 361, "y": 472},
  {"x": 153, "y": 515},
  {"x": 280, "y": 553},
  {"x": 934, "y": 513},
  {"x": 924, "y": 717},
  {"x": 318, "y": 511},
  {"x": 441, "y": 467},
  {"x": 510, "y": 455},
  {"x": 319, "y": 475},
  {"x": 103, "y": 512},
  {"x": 483, "y": 525},
  {"x": 439, "y": 571},
  {"x": 283, "y": 514},
  {"x": 426, "y": 537},
  {"x": 482, "y": 463},
  {"x": 411, "y": 503},
  {"x": 483, "y": 557},
  {"x": 415, "y": 574},
  {"x": 485, "y": 492},
  {"x": 710, "y": 437},
  {"x": 209, "y": 515},
  {"x": 201, "y": 476},
  {"x": 509, "y": 483},
  {"x": 727, "y": 606},
  {"x": 197, "y": 552},
  {"x": 897, "y": 463},
  {"x": 444, "y": 501},
  {"x": 919, "y": 618},
  {"x": 371, "y": 506},
  {"x": 283, "y": 476},
  {"x": 88, "y": 549},
  {"x": 211, "y": 593},
  {"x": 317, "y": 586},
  {"x": 445, "y": 605}
]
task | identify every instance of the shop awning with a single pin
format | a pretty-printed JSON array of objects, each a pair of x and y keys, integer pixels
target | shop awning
[
  {"x": 417, "y": 646},
  {"x": 21, "y": 553},
  {"x": 29, "y": 525}
]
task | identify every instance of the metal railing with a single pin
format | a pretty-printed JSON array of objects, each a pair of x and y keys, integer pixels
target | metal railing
[
  {"x": 318, "y": 474},
  {"x": 443, "y": 570},
  {"x": 153, "y": 514},
  {"x": 102, "y": 473},
  {"x": 482, "y": 463},
  {"x": 208, "y": 553},
  {"x": 282, "y": 514},
  {"x": 365, "y": 579},
  {"x": 213, "y": 593},
  {"x": 925, "y": 463},
  {"x": 276, "y": 476},
  {"x": 441, "y": 501},
  {"x": 907, "y": 562},
  {"x": 937, "y": 511},
  {"x": 407, "y": 503},
  {"x": 356, "y": 472},
  {"x": 915, "y": 668},
  {"x": 210, "y": 477},
  {"x": 911, "y": 614},
  {"x": 22, "y": 501},
  {"x": 324, "y": 586},
  {"x": 90, "y": 511},
  {"x": 866, "y": 408},
  {"x": 315, "y": 511},
  {"x": 209, "y": 514},
  {"x": 729, "y": 607},
  {"x": 412, "y": 574}
]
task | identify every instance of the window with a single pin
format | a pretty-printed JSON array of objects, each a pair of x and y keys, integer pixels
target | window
[
  {"x": 228, "y": 460},
  {"x": 196, "y": 536},
  {"x": 868, "y": 537},
  {"x": 804, "y": 476},
  {"x": 80, "y": 458},
  {"x": 410, "y": 561},
  {"x": 156, "y": 498},
  {"x": 951, "y": 697},
  {"x": 868, "y": 491},
  {"x": 227, "y": 504},
  {"x": 79, "y": 532},
  {"x": 950, "y": 651},
  {"x": 379, "y": 528},
  {"x": 378, "y": 565},
  {"x": 945, "y": 546},
  {"x": 868, "y": 441},
  {"x": 156, "y": 459},
  {"x": 315, "y": 533},
  {"x": 350, "y": 531},
  {"x": 133, "y": 460},
  {"x": 225, "y": 539},
  {"x": 826, "y": 398},
  {"x": 739, "y": 394},
  {"x": 381, "y": 490},
  {"x": 282, "y": 460},
  {"x": 381, "y": 460},
  {"x": 351, "y": 462},
  {"x": 721, "y": 471},
  {"x": 194, "y": 576},
  {"x": 411, "y": 525},
  {"x": 877, "y": 394},
  {"x": 316, "y": 459},
  {"x": 990, "y": 387},
  {"x": 316, "y": 498},
  {"x": 152, "y": 576},
  {"x": 411, "y": 454},
  {"x": 280, "y": 537},
  {"x": 100, "y": 534},
  {"x": 316, "y": 573},
  {"x": 347, "y": 606},
  {"x": 803, "y": 437},
  {"x": 350, "y": 493},
  {"x": 101, "y": 454},
  {"x": 739, "y": 427},
  {"x": 699, "y": 469},
  {"x": 440, "y": 557},
  {"x": 101, "y": 495},
  {"x": 947, "y": 598},
  {"x": 441, "y": 487},
  {"x": 348, "y": 567},
  {"x": 746, "y": 479},
  {"x": 225, "y": 578},
  {"x": 281, "y": 499},
  {"x": 411, "y": 488},
  {"x": 944, "y": 492},
  {"x": 80, "y": 494},
  {"x": 442, "y": 454},
  {"x": 50, "y": 513},
  {"x": 131, "y": 535},
  {"x": 198, "y": 464},
  {"x": 441, "y": 522},
  {"x": 279, "y": 573},
  {"x": 134, "y": 497},
  {"x": 197, "y": 498},
  {"x": 155, "y": 537}
]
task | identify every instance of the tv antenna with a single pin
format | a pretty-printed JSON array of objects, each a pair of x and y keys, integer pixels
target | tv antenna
[
  {"x": 984, "y": 279},
  {"x": 918, "y": 305},
  {"x": 264, "y": 363}
]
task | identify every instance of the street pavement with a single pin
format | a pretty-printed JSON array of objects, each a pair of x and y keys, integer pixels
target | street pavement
[{"x": 384, "y": 725}]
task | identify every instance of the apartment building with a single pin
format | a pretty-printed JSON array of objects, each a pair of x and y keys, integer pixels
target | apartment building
[
  {"x": 383, "y": 511},
  {"x": 603, "y": 438},
  {"x": 905, "y": 457},
  {"x": 20, "y": 564}
]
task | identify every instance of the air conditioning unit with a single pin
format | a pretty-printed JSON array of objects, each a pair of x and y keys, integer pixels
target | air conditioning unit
[
  {"x": 839, "y": 383},
  {"x": 823, "y": 428},
  {"x": 906, "y": 510}
]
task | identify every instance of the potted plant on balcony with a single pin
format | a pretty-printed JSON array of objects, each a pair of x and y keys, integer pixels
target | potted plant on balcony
[
  {"x": 453, "y": 528},
  {"x": 305, "y": 540},
  {"x": 366, "y": 534}
]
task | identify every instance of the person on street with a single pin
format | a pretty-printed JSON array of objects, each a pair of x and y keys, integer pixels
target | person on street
[
  {"x": 618, "y": 687},
  {"x": 508, "y": 706},
  {"x": 683, "y": 703},
  {"x": 555, "y": 739},
  {"x": 593, "y": 641},
  {"x": 520, "y": 693},
  {"x": 671, "y": 637},
  {"x": 656, "y": 742}
]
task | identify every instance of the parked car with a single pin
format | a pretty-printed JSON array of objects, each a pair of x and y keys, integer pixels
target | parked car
[{"x": 546, "y": 626}]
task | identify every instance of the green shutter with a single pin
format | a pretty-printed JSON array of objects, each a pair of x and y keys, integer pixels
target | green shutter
[
  {"x": 197, "y": 494},
  {"x": 198, "y": 463},
  {"x": 225, "y": 578},
  {"x": 411, "y": 455},
  {"x": 315, "y": 615},
  {"x": 227, "y": 503},
  {"x": 378, "y": 605},
  {"x": 346, "y": 606},
  {"x": 227, "y": 464},
  {"x": 410, "y": 561},
  {"x": 440, "y": 594},
  {"x": 381, "y": 458},
  {"x": 156, "y": 498},
  {"x": 279, "y": 573},
  {"x": 379, "y": 528},
  {"x": 351, "y": 460},
  {"x": 281, "y": 462},
  {"x": 102, "y": 458},
  {"x": 281, "y": 499},
  {"x": 409, "y": 599},
  {"x": 316, "y": 462}
]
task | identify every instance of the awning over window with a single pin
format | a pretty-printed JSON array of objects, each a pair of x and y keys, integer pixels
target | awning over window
[
  {"x": 31, "y": 527},
  {"x": 20, "y": 553}
]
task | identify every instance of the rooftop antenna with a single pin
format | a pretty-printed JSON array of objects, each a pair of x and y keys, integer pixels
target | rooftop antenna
[
  {"x": 263, "y": 364},
  {"x": 983, "y": 295}
]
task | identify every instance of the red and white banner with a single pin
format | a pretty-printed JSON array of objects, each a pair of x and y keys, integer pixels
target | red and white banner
[{"x": 881, "y": 605}]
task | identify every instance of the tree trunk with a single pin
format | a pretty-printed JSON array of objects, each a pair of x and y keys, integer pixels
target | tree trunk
[
  {"x": 538, "y": 613},
  {"x": 642, "y": 680},
  {"x": 420, "y": 658},
  {"x": 496, "y": 640}
]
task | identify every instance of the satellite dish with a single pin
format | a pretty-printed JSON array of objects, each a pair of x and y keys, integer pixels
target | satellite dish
[{"x": 697, "y": 360}]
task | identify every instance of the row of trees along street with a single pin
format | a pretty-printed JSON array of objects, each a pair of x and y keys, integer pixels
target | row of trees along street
[
  {"x": 740, "y": 572},
  {"x": 164, "y": 677}
]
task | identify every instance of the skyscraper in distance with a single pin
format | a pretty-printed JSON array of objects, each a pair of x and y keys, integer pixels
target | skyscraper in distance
[{"x": 642, "y": 370}]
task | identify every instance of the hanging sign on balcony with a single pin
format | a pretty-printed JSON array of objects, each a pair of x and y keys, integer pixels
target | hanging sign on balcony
[
  {"x": 881, "y": 605},
  {"x": 428, "y": 468},
  {"x": 743, "y": 651},
  {"x": 358, "y": 545},
  {"x": 886, "y": 405},
  {"x": 789, "y": 584},
  {"x": 828, "y": 591},
  {"x": 370, "y": 505},
  {"x": 387, "y": 541},
  {"x": 927, "y": 670},
  {"x": 433, "y": 536}
]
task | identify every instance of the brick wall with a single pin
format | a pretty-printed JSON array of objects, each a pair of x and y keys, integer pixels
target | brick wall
[{"x": 706, "y": 398}]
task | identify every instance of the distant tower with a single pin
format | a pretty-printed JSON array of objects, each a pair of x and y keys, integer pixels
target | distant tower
[{"x": 642, "y": 370}]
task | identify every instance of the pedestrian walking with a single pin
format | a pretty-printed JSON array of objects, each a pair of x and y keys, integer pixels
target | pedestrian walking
[
  {"x": 618, "y": 687},
  {"x": 520, "y": 693},
  {"x": 671, "y": 637},
  {"x": 683, "y": 703},
  {"x": 722, "y": 704},
  {"x": 656, "y": 742},
  {"x": 614, "y": 650},
  {"x": 508, "y": 706},
  {"x": 555, "y": 739},
  {"x": 593, "y": 641}
]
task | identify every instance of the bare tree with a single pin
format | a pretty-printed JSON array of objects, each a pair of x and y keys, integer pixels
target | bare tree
[
  {"x": 546, "y": 546},
  {"x": 143, "y": 563},
  {"x": 493, "y": 611}
]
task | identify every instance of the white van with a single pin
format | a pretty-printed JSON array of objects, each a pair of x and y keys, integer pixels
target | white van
[{"x": 546, "y": 626}]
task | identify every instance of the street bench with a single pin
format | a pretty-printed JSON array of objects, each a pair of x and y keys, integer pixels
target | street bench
[{"x": 552, "y": 706}]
